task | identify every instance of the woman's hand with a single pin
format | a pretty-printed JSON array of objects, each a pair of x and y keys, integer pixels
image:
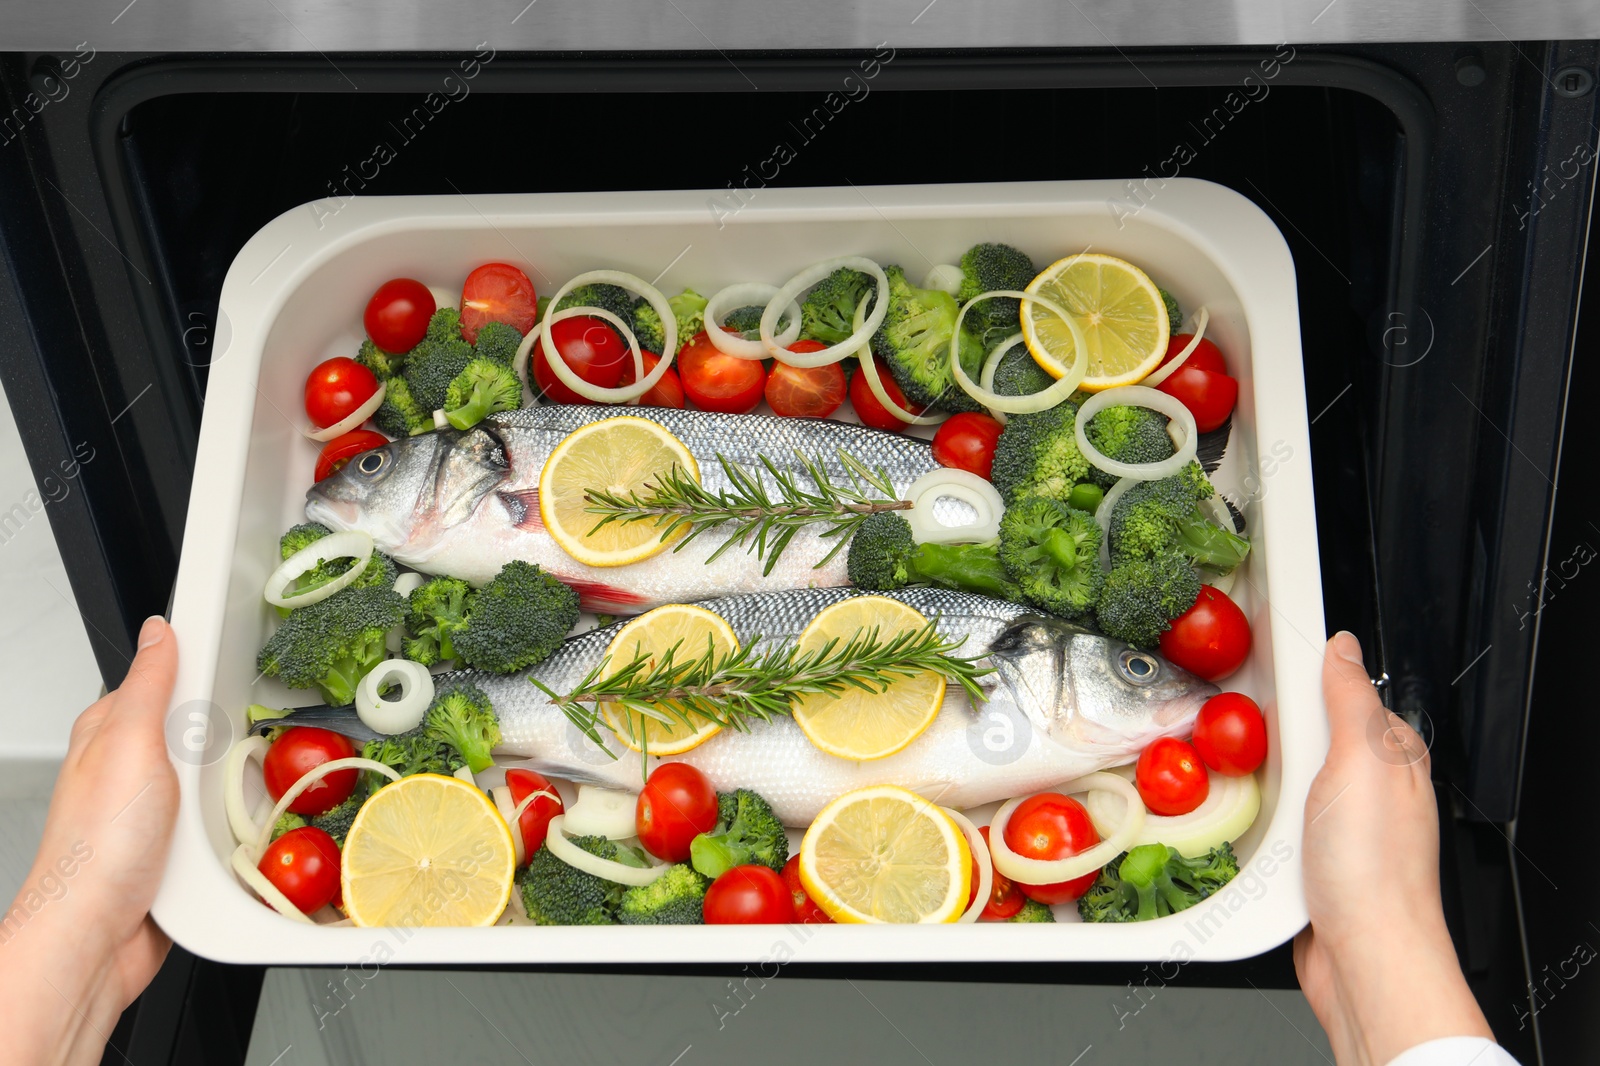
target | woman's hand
[
  {"x": 78, "y": 944},
  {"x": 1377, "y": 963}
]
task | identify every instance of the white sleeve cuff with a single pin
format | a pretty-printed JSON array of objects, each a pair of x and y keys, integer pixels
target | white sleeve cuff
[{"x": 1455, "y": 1051}]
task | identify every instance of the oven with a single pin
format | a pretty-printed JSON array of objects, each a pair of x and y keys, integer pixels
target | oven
[{"x": 1432, "y": 175}]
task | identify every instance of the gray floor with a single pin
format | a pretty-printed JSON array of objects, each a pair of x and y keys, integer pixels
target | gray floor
[{"x": 312, "y": 1017}]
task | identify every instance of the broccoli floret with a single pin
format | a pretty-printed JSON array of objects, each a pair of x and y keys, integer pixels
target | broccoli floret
[
  {"x": 416, "y": 751},
  {"x": 647, "y": 327},
  {"x": 883, "y": 556},
  {"x": 744, "y": 320},
  {"x": 914, "y": 340},
  {"x": 498, "y": 341},
  {"x": 336, "y": 822},
  {"x": 984, "y": 268},
  {"x": 484, "y": 387},
  {"x": 516, "y": 620},
  {"x": 677, "y": 897},
  {"x": 329, "y": 645},
  {"x": 380, "y": 570},
  {"x": 1053, "y": 553},
  {"x": 1174, "y": 312},
  {"x": 1128, "y": 434},
  {"x": 432, "y": 365},
  {"x": 746, "y": 831},
  {"x": 1153, "y": 880},
  {"x": 554, "y": 893},
  {"x": 286, "y": 821},
  {"x": 1141, "y": 596},
  {"x": 434, "y": 612},
  {"x": 444, "y": 325},
  {"x": 689, "y": 308},
  {"x": 828, "y": 313},
  {"x": 1018, "y": 374},
  {"x": 1162, "y": 516},
  {"x": 384, "y": 365},
  {"x": 1037, "y": 455},
  {"x": 1033, "y": 911},
  {"x": 399, "y": 415},
  {"x": 462, "y": 717},
  {"x": 613, "y": 298}
]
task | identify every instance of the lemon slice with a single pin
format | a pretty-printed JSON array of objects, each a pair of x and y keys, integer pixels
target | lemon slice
[
  {"x": 1119, "y": 309},
  {"x": 882, "y": 854},
  {"x": 652, "y": 633},
  {"x": 427, "y": 850},
  {"x": 859, "y": 724},
  {"x": 619, "y": 455}
]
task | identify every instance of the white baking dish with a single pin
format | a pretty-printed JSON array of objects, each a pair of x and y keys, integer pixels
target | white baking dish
[{"x": 294, "y": 296}]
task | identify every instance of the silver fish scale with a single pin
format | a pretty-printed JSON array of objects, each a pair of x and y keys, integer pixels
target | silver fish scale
[{"x": 744, "y": 439}]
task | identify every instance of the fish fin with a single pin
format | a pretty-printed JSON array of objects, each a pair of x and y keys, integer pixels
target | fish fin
[
  {"x": 606, "y": 599},
  {"x": 523, "y": 507},
  {"x": 1211, "y": 447}
]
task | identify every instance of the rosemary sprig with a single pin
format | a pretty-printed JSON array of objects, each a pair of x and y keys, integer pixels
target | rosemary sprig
[
  {"x": 763, "y": 522},
  {"x": 756, "y": 681}
]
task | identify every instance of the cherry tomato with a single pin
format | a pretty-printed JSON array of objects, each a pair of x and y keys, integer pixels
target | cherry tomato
[
  {"x": 806, "y": 911},
  {"x": 300, "y": 750},
  {"x": 668, "y": 392},
  {"x": 336, "y": 388},
  {"x": 1171, "y": 777},
  {"x": 1231, "y": 734},
  {"x": 1208, "y": 396},
  {"x": 535, "y": 821},
  {"x": 397, "y": 315},
  {"x": 1052, "y": 826},
  {"x": 1210, "y": 639},
  {"x": 303, "y": 864},
  {"x": 717, "y": 382},
  {"x": 1206, "y": 356},
  {"x": 497, "y": 292},
  {"x": 869, "y": 410},
  {"x": 748, "y": 895},
  {"x": 813, "y": 393},
  {"x": 1004, "y": 898},
  {"x": 966, "y": 441},
  {"x": 340, "y": 450},
  {"x": 591, "y": 349},
  {"x": 677, "y": 805}
]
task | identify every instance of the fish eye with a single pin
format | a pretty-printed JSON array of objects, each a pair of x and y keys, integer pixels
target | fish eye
[
  {"x": 372, "y": 462},
  {"x": 1138, "y": 667}
]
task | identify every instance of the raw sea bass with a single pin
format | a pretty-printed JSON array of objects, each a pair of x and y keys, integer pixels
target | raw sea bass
[
  {"x": 1062, "y": 702},
  {"x": 464, "y": 504}
]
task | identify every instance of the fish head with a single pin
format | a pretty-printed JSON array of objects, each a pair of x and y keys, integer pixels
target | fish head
[
  {"x": 1091, "y": 693},
  {"x": 411, "y": 492}
]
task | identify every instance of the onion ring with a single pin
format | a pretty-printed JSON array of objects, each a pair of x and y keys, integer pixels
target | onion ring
[
  {"x": 980, "y": 851},
  {"x": 604, "y": 812},
  {"x": 1162, "y": 373},
  {"x": 394, "y": 715},
  {"x": 574, "y": 856},
  {"x": 501, "y": 794},
  {"x": 991, "y": 366},
  {"x": 1038, "y": 401},
  {"x": 643, "y": 382},
  {"x": 742, "y": 294},
  {"x": 963, "y": 485},
  {"x": 804, "y": 280},
  {"x": 1138, "y": 396},
  {"x": 353, "y": 419},
  {"x": 404, "y": 586},
  {"x": 349, "y": 544},
  {"x": 307, "y": 779},
  {"x": 869, "y": 371},
  {"x": 1102, "y": 517},
  {"x": 245, "y": 827},
  {"x": 946, "y": 277},
  {"x": 250, "y": 873},
  {"x": 464, "y": 773},
  {"x": 1047, "y": 872},
  {"x": 1228, "y": 810}
]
